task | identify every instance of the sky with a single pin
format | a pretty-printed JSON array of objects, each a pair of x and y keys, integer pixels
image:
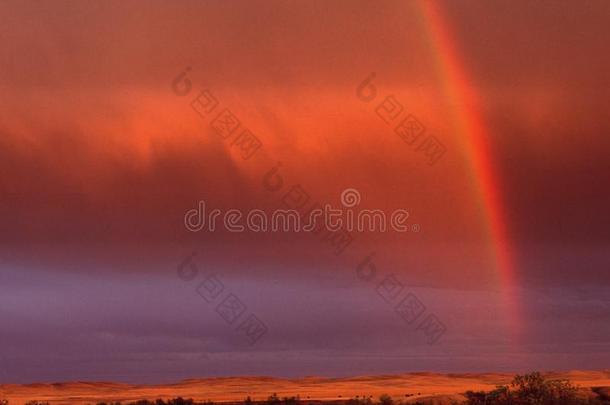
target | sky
[{"x": 102, "y": 154}]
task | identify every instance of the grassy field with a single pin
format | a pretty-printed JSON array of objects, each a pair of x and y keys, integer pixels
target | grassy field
[{"x": 405, "y": 388}]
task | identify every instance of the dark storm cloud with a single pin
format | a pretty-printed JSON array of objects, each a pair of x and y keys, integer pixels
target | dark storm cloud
[{"x": 169, "y": 332}]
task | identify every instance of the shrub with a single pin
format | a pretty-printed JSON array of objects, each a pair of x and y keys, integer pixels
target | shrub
[
  {"x": 359, "y": 401},
  {"x": 385, "y": 399},
  {"x": 529, "y": 389},
  {"x": 501, "y": 395},
  {"x": 180, "y": 401},
  {"x": 291, "y": 400},
  {"x": 602, "y": 392},
  {"x": 273, "y": 399}
]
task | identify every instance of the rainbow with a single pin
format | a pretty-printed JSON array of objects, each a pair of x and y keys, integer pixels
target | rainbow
[{"x": 471, "y": 129}]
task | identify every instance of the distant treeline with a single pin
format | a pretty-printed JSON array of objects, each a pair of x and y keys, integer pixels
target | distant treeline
[{"x": 529, "y": 389}]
